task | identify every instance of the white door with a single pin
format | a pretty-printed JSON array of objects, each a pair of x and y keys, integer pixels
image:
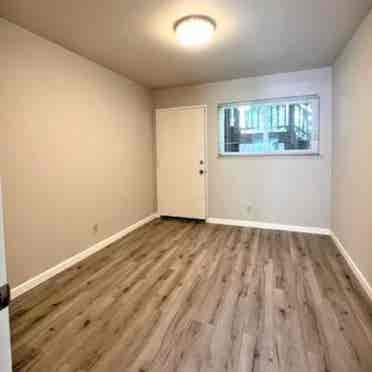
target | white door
[
  {"x": 181, "y": 168},
  {"x": 5, "y": 353}
]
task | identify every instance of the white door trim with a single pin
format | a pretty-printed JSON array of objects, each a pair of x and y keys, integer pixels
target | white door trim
[
  {"x": 5, "y": 349},
  {"x": 206, "y": 164}
]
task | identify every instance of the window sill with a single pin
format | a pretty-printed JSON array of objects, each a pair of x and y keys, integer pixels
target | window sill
[{"x": 269, "y": 154}]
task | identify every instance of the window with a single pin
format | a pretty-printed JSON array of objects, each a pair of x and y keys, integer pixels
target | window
[{"x": 269, "y": 127}]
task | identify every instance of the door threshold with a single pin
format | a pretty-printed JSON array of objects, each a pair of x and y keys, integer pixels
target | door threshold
[{"x": 183, "y": 219}]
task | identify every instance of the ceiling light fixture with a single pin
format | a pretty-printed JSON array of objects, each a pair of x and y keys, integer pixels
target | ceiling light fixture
[{"x": 194, "y": 30}]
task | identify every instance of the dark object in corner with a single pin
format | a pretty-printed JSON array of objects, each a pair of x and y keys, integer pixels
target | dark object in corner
[{"x": 4, "y": 296}]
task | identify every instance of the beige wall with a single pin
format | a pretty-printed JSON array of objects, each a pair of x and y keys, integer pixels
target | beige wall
[
  {"x": 291, "y": 190},
  {"x": 352, "y": 160},
  {"x": 76, "y": 149}
]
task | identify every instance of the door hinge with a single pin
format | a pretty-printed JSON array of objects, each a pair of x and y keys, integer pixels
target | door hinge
[{"x": 4, "y": 296}]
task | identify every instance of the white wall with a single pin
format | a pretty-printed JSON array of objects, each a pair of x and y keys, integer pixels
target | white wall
[
  {"x": 352, "y": 160},
  {"x": 292, "y": 190},
  {"x": 76, "y": 149}
]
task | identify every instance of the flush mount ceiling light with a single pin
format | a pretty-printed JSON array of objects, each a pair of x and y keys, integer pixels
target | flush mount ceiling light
[{"x": 194, "y": 30}]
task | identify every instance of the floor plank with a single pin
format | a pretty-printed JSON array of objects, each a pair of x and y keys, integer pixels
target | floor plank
[{"x": 184, "y": 296}]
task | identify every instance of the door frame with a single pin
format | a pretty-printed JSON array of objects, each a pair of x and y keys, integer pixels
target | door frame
[
  {"x": 6, "y": 354},
  {"x": 205, "y": 128}
]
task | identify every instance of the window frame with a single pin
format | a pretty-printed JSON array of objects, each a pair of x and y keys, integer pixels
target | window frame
[{"x": 314, "y": 150}]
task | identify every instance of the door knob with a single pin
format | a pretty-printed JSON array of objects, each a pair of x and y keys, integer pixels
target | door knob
[{"x": 201, "y": 171}]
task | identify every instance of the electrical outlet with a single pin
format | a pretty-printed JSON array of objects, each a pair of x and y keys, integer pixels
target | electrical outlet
[{"x": 95, "y": 228}]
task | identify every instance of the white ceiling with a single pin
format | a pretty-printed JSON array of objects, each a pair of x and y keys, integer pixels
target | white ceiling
[{"x": 136, "y": 39}]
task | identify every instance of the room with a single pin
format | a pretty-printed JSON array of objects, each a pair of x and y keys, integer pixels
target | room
[{"x": 185, "y": 186}]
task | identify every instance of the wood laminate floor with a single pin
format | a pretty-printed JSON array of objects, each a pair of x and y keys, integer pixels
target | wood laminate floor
[{"x": 183, "y": 296}]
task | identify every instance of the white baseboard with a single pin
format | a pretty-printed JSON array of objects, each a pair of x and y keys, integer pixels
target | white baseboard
[
  {"x": 312, "y": 230},
  {"x": 270, "y": 226},
  {"x": 354, "y": 268},
  {"x": 44, "y": 276}
]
